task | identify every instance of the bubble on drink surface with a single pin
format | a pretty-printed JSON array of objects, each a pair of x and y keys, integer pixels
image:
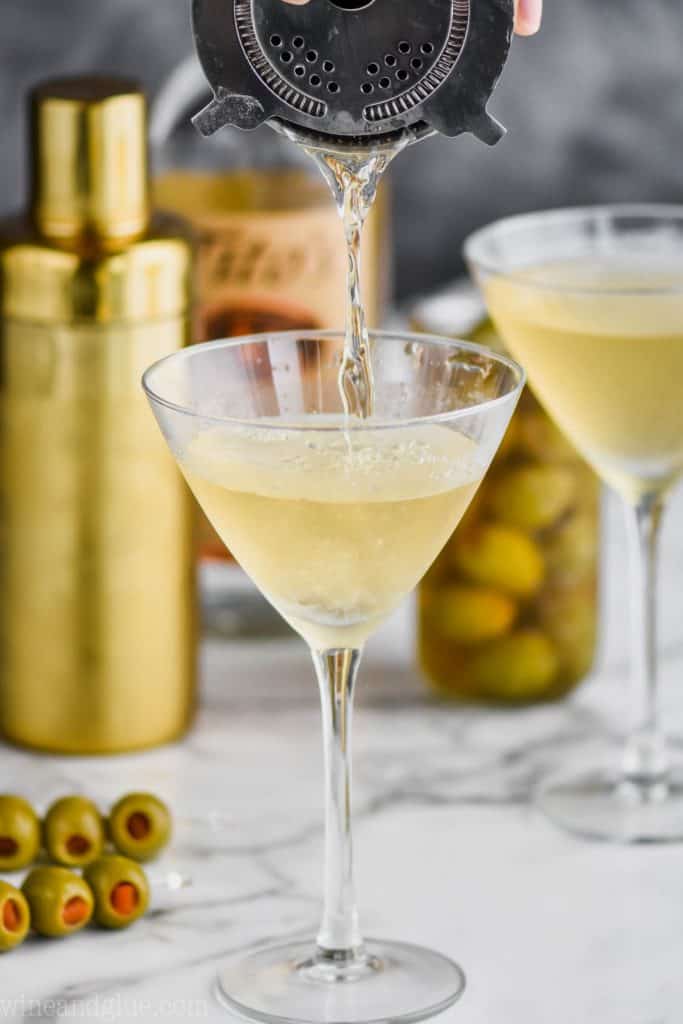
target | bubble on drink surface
[{"x": 366, "y": 463}]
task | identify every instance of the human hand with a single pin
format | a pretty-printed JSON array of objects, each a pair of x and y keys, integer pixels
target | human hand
[{"x": 528, "y": 15}]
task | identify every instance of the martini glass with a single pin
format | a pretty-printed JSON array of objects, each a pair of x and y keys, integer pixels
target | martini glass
[
  {"x": 336, "y": 519},
  {"x": 591, "y": 302}
]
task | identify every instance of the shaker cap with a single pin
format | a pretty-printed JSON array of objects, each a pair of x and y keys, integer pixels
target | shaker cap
[{"x": 89, "y": 159}]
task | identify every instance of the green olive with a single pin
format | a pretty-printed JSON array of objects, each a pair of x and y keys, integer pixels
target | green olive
[
  {"x": 15, "y": 917},
  {"x": 500, "y": 557},
  {"x": 60, "y": 901},
  {"x": 121, "y": 891},
  {"x": 73, "y": 831},
  {"x": 140, "y": 825},
  {"x": 532, "y": 497},
  {"x": 571, "y": 549},
  {"x": 472, "y": 615},
  {"x": 445, "y": 665},
  {"x": 518, "y": 667},
  {"x": 19, "y": 833}
]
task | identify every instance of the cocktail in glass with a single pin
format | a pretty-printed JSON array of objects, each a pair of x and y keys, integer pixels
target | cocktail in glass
[
  {"x": 591, "y": 302},
  {"x": 336, "y": 519}
]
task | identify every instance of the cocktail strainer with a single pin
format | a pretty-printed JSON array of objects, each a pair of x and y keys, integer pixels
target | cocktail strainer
[{"x": 353, "y": 69}]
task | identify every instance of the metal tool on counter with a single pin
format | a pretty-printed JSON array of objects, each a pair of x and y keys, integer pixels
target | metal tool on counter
[{"x": 353, "y": 70}]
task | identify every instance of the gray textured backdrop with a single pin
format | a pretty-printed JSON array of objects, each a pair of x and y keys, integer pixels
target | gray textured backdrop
[{"x": 594, "y": 106}]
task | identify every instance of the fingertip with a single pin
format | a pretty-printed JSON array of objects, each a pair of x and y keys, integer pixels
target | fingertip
[
  {"x": 529, "y": 15},
  {"x": 523, "y": 27}
]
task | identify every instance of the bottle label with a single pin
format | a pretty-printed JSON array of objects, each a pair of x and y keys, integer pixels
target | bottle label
[{"x": 272, "y": 271}]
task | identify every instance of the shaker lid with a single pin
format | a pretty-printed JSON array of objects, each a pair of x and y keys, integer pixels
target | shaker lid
[{"x": 89, "y": 159}]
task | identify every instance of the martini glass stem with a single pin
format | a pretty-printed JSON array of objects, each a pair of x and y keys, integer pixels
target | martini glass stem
[
  {"x": 645, "y": 760},
  {"x": 339, "y": 937}
]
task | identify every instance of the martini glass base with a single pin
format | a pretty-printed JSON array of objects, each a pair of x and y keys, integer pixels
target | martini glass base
[
  {"x": 286, "y": 984},
  {"x": 599, "y": 803}
]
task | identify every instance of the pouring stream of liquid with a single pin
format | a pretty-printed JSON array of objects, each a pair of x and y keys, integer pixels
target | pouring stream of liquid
[{"x": 354, "y": 175}]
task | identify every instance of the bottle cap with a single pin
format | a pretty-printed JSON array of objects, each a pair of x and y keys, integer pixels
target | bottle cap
[{"x": 89, "y": 159}]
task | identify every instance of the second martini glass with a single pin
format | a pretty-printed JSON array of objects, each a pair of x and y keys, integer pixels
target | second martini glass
[
  {"x": 336, "y": 520},
  {"x": 591, "y": 302}
]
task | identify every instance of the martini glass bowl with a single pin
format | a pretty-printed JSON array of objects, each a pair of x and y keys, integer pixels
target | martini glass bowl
[
  {"x": 336, "y": 519},
  {"x": 591, "y": 302}
]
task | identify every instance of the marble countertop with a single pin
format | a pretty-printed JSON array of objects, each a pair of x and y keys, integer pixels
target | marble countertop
[{"x": 550, "y": 929}]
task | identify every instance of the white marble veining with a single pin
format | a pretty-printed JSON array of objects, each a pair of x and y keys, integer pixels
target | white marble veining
[{"x": 550, "y": 929}]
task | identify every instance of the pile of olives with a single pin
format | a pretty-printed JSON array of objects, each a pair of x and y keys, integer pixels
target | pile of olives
[
  {"x": 508, "y": 612},
  {"x": 55, "y": 901}
]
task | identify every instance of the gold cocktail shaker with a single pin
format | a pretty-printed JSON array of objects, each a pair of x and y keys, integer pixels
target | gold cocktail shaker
[{"x": 97, "y": 618}]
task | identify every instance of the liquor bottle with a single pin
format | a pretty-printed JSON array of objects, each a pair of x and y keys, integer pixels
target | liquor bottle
[
  {"x": 271, "y": 257},
  {"x": 97, "y": 623}
]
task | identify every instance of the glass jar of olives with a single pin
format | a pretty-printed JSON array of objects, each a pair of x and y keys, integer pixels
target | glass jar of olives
[{"x": 508, "y": 612}]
